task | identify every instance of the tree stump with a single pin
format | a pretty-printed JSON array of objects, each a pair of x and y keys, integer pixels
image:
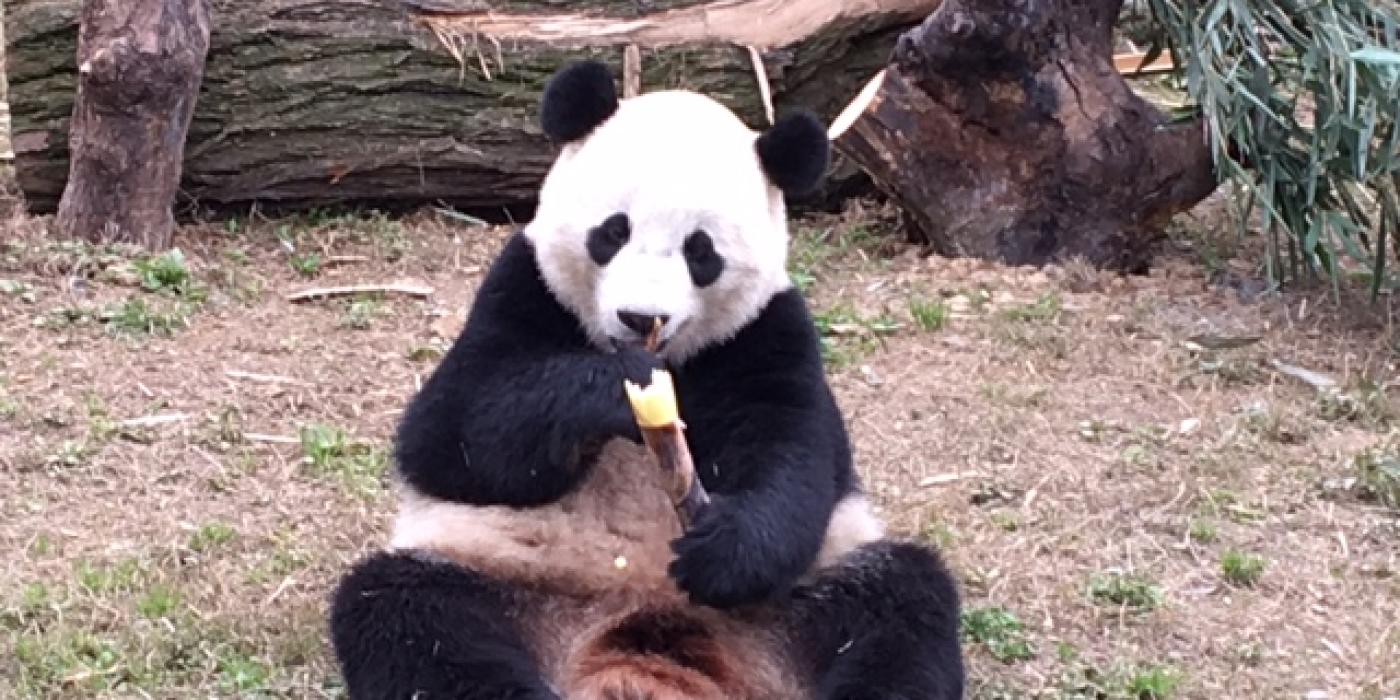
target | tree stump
[
  {"x": 1004, "y": 131},
  {"x": 139, "y": 67}
]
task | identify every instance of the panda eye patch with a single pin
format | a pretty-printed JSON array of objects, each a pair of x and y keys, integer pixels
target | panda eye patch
[
  {"x": 607, "y": 238},
  {"x": 700, "y": 257}
]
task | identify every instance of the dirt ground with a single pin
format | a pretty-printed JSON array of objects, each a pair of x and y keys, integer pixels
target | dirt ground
[{"x": 1138, "y": 498}]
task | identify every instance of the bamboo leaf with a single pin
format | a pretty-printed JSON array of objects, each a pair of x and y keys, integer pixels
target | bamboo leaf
[{"x": 1377, "y": 56}]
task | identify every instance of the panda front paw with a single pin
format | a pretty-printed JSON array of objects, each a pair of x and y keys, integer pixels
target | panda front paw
[{"x": 717, "y": 563}]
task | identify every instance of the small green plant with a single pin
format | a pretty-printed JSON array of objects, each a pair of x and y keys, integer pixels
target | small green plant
[
  {"x": 331, "y": 452},
  {"x": 18, "y": 289},
  {"x": 360, "y": 314},
  {"x": 123, "y": 577},
  {"x": 803, "y": 280},
  {"x": 212, "y": 535},
  {"x": 306, "y": 264},
  {"x": 1378, "y": 473},
  {"x": 1006, "y": 521},
  {"x": 425, "y": 353},
  {"x": 847, "y": 336},
  {"x": 238, "y": 257},
  {"x": 1132, "y": 591},
  {"x": 929, "y": 316},
  {"x": 322, "y": 445},
  {"x": 167, "y": 272},
  {"x": 1044, "y": 310},
  {"x": 940, "y": 533},
  {"x": 41, "y": 545},
  {"x": 1204, "y": 531},
  {"x": 70, "y": 453},
  {"x": 1153, "y": 683},
  {"x": 978, "y": 299},
  {"x": 158, "y": 602},
  {"x": 1242, "y": 568},
  {"x": 1000, "y": 631},
  {"x": 35, "y": 597},
  {"x": 136, "y": 317},
  {"x": 242, "y": 673}
]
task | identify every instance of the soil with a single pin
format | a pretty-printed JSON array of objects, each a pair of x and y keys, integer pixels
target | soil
[{"x": 1132, "y": 510}]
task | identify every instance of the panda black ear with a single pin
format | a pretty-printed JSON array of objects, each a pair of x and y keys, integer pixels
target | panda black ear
[
  {"x": 577, "y": 99},
  {"x": 795, "y": 153}
]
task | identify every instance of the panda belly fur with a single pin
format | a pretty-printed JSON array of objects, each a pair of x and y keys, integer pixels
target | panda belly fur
[{"x": 593, "y": 600}]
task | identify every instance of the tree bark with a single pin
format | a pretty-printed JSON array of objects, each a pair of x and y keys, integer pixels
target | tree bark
[
  {"x": 139, "y": 67},
  {"x": 380, "y": 103},
  {"x": 1005, "y": 132}
]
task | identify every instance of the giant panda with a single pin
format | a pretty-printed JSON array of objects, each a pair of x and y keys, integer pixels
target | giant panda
[{"x": 536, "y": 553}]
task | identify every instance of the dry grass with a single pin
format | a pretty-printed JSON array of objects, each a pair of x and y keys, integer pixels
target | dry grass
[{"x": 1129, "y": 516}]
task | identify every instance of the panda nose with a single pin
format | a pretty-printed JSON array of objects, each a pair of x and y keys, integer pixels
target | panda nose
[{"x": 641, "y": 324}]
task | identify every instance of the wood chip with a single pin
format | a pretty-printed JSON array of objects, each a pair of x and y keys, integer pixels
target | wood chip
[
  {"x": 1317, "y": 380},
  {"x": 278, "y": 439},
  {"x": 263, "y": 378},
  {"x": 407, "y": 288},
  {"x": 157, "y": 419}
]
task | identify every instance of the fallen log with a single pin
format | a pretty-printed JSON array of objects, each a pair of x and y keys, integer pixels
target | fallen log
[
  {"x": 381, "y": 103},
  {"x": 1005, "y": 131}
]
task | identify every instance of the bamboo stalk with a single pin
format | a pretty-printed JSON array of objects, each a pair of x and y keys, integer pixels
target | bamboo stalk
[{"x": 658, "y": 417}]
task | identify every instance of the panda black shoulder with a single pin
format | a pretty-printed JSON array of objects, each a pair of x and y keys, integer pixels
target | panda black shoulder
[
  {"x": 514, "y": 321},
  {"x": 514, "y": 297},
  {"x": 775, "y": 360},
  {"x": 781, "y": 338}
]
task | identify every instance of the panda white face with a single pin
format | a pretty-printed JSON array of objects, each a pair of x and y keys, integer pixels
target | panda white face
[{"x": 663, "y": 213}]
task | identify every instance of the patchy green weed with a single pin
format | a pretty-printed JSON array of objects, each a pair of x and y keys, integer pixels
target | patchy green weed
[
  {"x": 1120, "y": 681},
  {"x": 123, "y": 576},
  {"x": 1378, "y": 473},
  {"x": 211, "y": 536},
  {"x": 929, "y": 316},
  {"x": 1045, "y": 309},
  {"x": 136, "y": 317},
  {"x": 999, "y": 631},
  {"x": 1153, "y": 682},
  {"x": 331, "y": 452},
  {"x": 361, "y": 313},
  {"x": 166, "y": 272},
  {"x": 1132, "y": 591},
  {"x": 306, "y": 264},
  {"x": 158, "y": 602},
  {"x": 847, "y": 336},
  {"x": 1204, "y": 531},
  {"x": 1242, "y": 568}
]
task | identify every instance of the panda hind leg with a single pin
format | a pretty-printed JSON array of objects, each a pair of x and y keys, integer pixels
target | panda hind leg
[
  {"x": 881, "y": 624},
  {"x": 403, "y": 627}
]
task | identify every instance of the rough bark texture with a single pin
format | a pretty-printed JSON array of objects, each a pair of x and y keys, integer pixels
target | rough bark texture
[
  {"x": 139, "y": 67},
  {"x": 308, "y": 103},
  {"x": 1005, "y": 132}
]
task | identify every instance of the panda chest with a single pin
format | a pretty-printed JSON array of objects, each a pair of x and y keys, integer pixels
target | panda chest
[{"x": 611, "y": 533}]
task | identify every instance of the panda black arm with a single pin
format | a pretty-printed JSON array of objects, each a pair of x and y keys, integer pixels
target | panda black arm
[
  {"x": 770, "y": 445},
  {"x": 512, "y": 412}
]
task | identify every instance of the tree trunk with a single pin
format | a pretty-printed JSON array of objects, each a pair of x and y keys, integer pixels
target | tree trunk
[
  {"x": 139, "y": 69},
  {"x": 374, "y": 102},
  {"x": 1004, "y": 131}
]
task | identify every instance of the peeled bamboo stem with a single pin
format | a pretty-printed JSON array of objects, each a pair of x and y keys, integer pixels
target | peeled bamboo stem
[{"x": 658, "y": 416}]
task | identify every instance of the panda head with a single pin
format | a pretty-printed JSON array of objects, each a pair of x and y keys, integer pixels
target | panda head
[{"x": 666, "y": 207}]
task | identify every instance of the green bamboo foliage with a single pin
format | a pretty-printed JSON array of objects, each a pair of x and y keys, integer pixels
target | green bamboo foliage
[{"x": 1300, "y": 100}]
